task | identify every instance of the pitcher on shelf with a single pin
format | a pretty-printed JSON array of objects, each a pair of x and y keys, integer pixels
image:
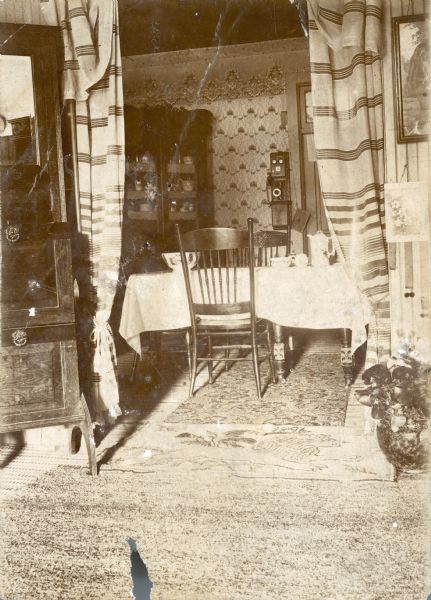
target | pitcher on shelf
[{"x": 320, "y": 254}]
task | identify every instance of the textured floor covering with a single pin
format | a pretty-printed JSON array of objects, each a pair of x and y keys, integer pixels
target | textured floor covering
[
  {"x": 212, "y": 536},
  {"x": 226, "y": 511},
  {"x": 313, "y": 394}
]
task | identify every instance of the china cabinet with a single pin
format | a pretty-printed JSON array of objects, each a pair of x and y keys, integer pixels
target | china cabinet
[
  {"x": 167, "y": 179},
  {"x": 38, "y": 374}
]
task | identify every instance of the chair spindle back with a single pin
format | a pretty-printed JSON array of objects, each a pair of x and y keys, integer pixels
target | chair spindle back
[
  {"x": 216, "y": 285},
  {"x": 269, "y": 244}
]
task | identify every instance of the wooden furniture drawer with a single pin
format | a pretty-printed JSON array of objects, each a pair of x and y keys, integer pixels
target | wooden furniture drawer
[
  {"x": 23, "y": 336},
  {"x": 39, "y": 384}
]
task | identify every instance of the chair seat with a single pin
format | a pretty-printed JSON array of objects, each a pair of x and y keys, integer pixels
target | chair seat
[{"x": 226, "y": 323}]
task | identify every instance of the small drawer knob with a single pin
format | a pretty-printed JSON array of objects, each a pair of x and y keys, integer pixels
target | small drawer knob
[
  {"x": 19, "y": 337},
  {"x": 12, "y": 233}
]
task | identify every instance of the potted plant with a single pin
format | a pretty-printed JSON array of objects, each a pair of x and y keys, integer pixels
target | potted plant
[{"x": 397, "y": 393}]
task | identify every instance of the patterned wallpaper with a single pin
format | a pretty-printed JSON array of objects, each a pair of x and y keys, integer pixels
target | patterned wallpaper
[
  {"x": 245, "y": 131},
  {"x": 246, "y": 88}
]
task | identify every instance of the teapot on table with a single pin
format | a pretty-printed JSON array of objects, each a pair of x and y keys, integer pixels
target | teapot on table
[{"x": 319, "y": 249}]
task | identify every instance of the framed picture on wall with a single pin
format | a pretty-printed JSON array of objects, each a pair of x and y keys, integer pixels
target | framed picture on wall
[
  {"x": 305, "y": 106},
  {"x": 406, "y": 211},
  {"x": 411, "y": 66}
]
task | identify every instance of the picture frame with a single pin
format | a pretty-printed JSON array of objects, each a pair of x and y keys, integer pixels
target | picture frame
[
  {"x": 406, "y": 212},
  {"x": 305, "y": 107},
  {"x": 411, "y": 73}
]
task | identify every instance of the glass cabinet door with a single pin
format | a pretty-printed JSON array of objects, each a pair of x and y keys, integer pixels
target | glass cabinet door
[
  {"x": 27, "y": 253},
  {"x": 28, "y": 275}
]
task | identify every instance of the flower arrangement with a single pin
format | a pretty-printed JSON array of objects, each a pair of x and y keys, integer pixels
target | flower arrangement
[
  {"x": 397, "y": 393},
  {"x": 398, "y": 216}
]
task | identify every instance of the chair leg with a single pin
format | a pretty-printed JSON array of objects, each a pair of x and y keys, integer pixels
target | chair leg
[
  {"x": 271, "y": 357},
  {"x": 194, "y": 363},
  {"x": 226, "y": 354},
  {"x": 256, "y": 362},
  {"x": 210, "y": 362},
  {"x": 135, "y": 364},
  {"x": 87, "y": 432},
  {"x": 189, "y": 352}
]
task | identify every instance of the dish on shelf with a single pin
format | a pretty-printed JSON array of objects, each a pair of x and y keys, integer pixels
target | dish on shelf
[{"x": 187, "y": 185}]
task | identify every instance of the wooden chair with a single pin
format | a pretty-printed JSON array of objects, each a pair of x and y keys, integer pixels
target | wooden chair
[
  {"x": 269, "y": 244},
  {"x": 220, "y": 293}
]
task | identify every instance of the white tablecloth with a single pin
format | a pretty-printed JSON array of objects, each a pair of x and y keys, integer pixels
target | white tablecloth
[{"x": 306, "y": 297}]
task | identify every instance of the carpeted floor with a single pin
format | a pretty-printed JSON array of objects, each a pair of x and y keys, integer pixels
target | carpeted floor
[
  {"x": 213, "y": 537},
  {"x": 314, "y": 394},
  {"x": 227, "y": 498}
]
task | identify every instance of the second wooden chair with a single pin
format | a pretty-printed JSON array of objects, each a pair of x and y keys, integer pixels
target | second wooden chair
[{"x": 221, "y": 299}]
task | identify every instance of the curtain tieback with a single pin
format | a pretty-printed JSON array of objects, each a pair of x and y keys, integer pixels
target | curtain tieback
[{"x": 104, "y": 351}]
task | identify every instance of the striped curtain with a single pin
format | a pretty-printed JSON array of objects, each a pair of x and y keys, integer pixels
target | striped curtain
[
  {"x": 92, "y": 77},
  {"x": 346, "y": 80}
]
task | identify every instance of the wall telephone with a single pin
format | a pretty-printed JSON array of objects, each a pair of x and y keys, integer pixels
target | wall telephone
[
  {"x": 279, "y": 196},
  {"x": 278, "y": 190}
]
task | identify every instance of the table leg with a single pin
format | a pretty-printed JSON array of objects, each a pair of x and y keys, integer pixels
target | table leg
[
  {"x": 155, "y": 346},
  {"x": 154, "y": 357},
  {"x": 290, "y": 352},
  {"x": 279, "y": 353},
  {"x": 135, "y": 364},
  {"x": 347, "y": 358}
]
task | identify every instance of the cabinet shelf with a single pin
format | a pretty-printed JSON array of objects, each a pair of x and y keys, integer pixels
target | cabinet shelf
[
  {"x": 182, "y": 216},
  {"x": 143, "y": 215},
  {"x": 181, "y": 169},
  {"x": 141, "y": 168},
  {"x": 133, "y": 194},
  {"x": 181, "y": 195}
]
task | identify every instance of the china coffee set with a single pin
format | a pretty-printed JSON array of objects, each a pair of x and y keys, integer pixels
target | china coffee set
[{"x": 320, "y": 255}]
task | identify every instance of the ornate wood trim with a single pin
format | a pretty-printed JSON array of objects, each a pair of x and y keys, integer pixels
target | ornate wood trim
[
  {"x": 190, "y": 91},
  {"x": 203, "y": 75}
]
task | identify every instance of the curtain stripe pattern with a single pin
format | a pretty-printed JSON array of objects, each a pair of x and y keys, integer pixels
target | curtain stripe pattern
[
  {"x": 92, "y": 77},
  {"x": 345, "y": 59}
]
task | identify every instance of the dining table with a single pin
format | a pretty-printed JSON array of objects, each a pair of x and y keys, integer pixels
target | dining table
[{"x": 289, "y": 297}]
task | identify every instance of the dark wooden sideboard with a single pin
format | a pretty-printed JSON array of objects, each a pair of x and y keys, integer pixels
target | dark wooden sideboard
[{"x": 39, "y": 384}]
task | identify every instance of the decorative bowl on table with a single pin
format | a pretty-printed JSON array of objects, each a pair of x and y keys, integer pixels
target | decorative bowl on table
[
  {"x": 282, "y": 261},
  {"x": 301, "y": 260},
  {"x": 293, "y": 260},
  {"x": 173, "y": 259}
]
